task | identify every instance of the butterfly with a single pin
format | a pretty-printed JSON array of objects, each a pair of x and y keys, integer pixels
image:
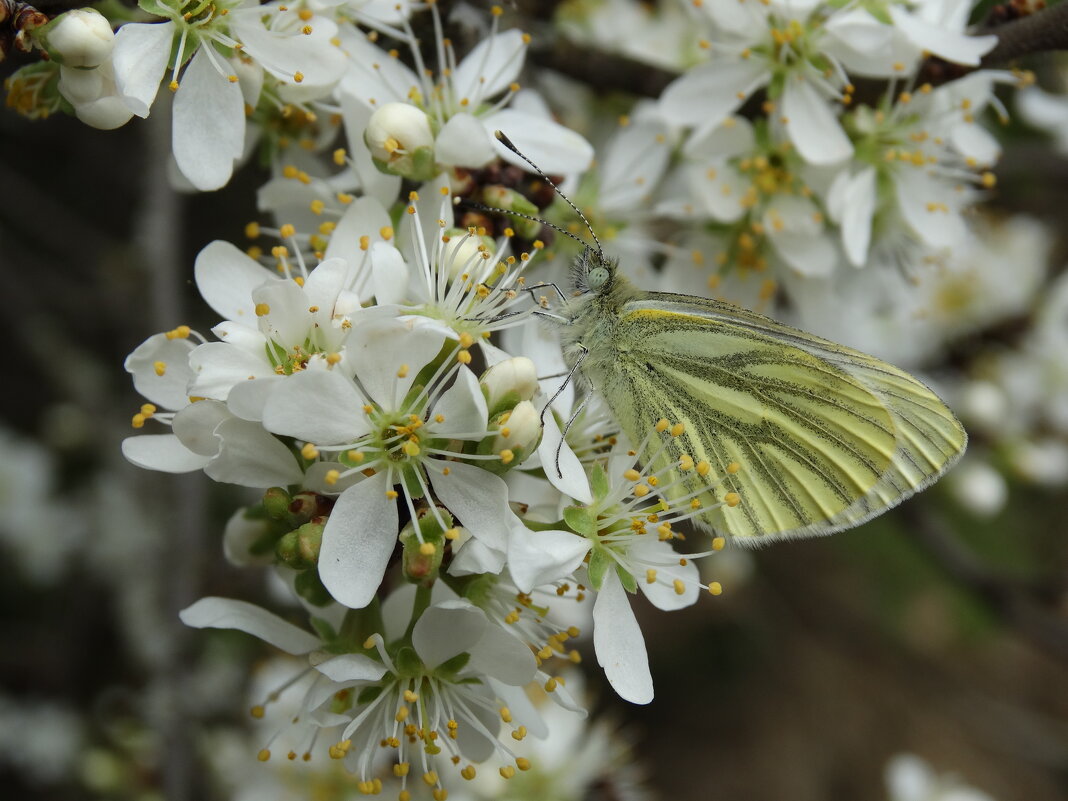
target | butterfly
[
  {"x": 811, "y": 437},
  {"x": 801, "y": 436}
]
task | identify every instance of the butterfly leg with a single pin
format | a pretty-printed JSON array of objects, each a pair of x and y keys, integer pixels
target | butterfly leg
[
  {"x": 567, "y": 381},
  {"x": 547, "y": 285},
  {"x": 563, "y": 434}
]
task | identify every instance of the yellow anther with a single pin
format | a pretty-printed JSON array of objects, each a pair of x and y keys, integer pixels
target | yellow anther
[
  {"x": 332, "y": 476},
  {"x": 428, "y": 549},
  {"x": 440, "y": 794},
  {"x": 400, "y": 770},
  {"x": 550, "y": 685},
  {"x": 507, "y": 772},
  {"x": 386, "y": 232},
  {"x": 718, "y": 543},
  {"x": 715, "y": 588},
  {"x": 464, "y": 357},
  {"x": 309, "y": 451},
  {"x": 640, "y": 491},
  {"x": 506, "y": 714},
  {"x": 680, "y": 587},
  {"x": 287, "y": 230},
  {"x": 507, "y": 456},
  {"x": 402, "y": 371},
  {"x": 354, "y": 456},
  {"x": 703, "y": 468},
  {"x": 431, "y": 778},
  {"x": 410, "y": 448},
  {"x": 401, "y": 716},
  {"x": 650, "y": 576},
  {"x": 257, "y": 711},
  {"x": 677, "y": 429},
  {"x": 148, "y": 409},
  {"x": 732, "y": 499},
  {"x": 298, "y": 77},
  {"x": 686, "y": 463},
  {"x": 333, "y": 358},
  {"x": 632, "y": 475},
  {"x": 181, "y": 332},
  {"x": 262, "y": 309},
  {"x": 661, "y": 425},
  {"x": 522, "y": 763},
  {"x": 391, "y": 494},
  {"x": 468, "y": 772},
  {"x": 466, "y": 340},
  {"x": 264, "y": 754},
  {"x": 452, "y": 533},
  {"x": 733, "y": 467},
  {"x": 989, "y": 180}
]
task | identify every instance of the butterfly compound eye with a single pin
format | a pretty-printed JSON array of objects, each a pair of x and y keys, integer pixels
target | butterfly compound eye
[{"x": 598, "y": 277}]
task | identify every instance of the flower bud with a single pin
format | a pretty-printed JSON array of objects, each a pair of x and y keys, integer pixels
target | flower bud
[
  {"x": 79, "y": 38},
  {"x": 518, "y": 434},
  {"x": 500, "y": 197},
  {"x": 276, "y": 501},
  {"x": 422, "y": 554},
  {"x": 300, "y": 548},
  {"x": 507, "y": 383},
  {"x": 401, "y": 142},
  {"x": 465, "y": 253}
]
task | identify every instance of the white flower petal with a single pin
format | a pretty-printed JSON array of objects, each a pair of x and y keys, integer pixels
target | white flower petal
[
  {"x": 351, "y": 667},
  {"x": 387, "y": 356},
  {"x": 490, "y": 67},
  {"x": 930, "y": 206},
  {"x": 477, "y": 498},
  {"x": 226, "y": 277},
  {"x": 389, "y": 274},
  {"x": 363, "y": 217},
  {"x": 503, "y": 657},
  {"x": 251, "y": 457},
  {"x": 217, "y": 366},
  {"x": 555, "y": 148},
  {"x": 227, "y": 613},
  {"x": 664, "y": 559},
  {"x": 374, "y": 78},
  {"x": 319, "y": 406},
  {"x": 169, "y": 390},
  {"x": 858, "y": 209},
  {"x": 195, "y": 426},
  {"x": 812, "y": 126},
  {"x": 711, "y": 92},
  {"x": 161, "y": 452},
  {"x": 973, "y": 141},
  {"x": 541, "y": 557},
  {"x": 619, "y": 644},
  {"x": 447, "y": 629},
  {"x": 464, "y": 142},
  {"x": 566, "y": 472},
  {"x": 247, "y": 398},
  {"x": 464, "y": 408},
  {"x": 139, "y": 59},
  {"x": 941, "y": 40},
  {"x": 476, "y": 557},
  {"x": 287, "y": 52},
  {"x": 359, "y": 538},
  {"x": 208, "y": 129}
]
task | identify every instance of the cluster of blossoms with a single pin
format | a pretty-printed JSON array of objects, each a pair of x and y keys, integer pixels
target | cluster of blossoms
[{"x": 380, "y": 374}]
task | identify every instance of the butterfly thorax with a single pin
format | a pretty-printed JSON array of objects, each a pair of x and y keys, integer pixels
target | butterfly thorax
[{"x": 594, "y": 324}]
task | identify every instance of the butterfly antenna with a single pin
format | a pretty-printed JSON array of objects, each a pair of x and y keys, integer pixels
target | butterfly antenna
[
  {"x": 496, "y": 210},
  {"x": 504, "y": 140}
]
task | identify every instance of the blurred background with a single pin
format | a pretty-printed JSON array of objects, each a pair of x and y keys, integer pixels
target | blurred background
[{"x": 939, "y": 630}]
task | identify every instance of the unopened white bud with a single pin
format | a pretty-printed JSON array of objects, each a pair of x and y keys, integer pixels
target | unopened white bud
[
  {"x": 513, "y": 379},
  {"x": 980, "y": 488},
  {"x": 80, "y": 38},
  {"x": 985, "y": 404},
  {"x": 1044, "y": 462},
  {"x": 94, "y": 95},
  {"x": 519, "y": 431},
  {"x": 466, "y": 254},
  {"x": 396, "y": 134}
]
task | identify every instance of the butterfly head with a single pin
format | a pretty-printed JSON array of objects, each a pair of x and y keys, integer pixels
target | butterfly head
[{"x": 593, "y": 272}]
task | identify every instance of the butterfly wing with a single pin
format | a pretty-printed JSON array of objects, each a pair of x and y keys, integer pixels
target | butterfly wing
[{"x": 823, "y": 437}]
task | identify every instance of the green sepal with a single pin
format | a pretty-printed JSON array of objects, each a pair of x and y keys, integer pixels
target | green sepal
[
  {"x": 368, "y": 694},
  {"x": 581, "y": 520},
  {"x": 450, "y": 667},
  {"x": 323, "y": 629},
  {"x": 408, "y": 663},
  {"x": 599, "y": 482},
  {"x": 300, "y": 548},
  {"x": 505, "y": 199},
  {"x": 276, "y": 502},
  {"x": 420, "y": 568},
  {"x": 505, "y": 403},
  {"x": 310, "y": 587},
  {"x": 777, "y": 86},
  {"x": 418, "y": 166},
  {"x": 630, "y": 584},
  {"x": 598, "y": 566}
]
